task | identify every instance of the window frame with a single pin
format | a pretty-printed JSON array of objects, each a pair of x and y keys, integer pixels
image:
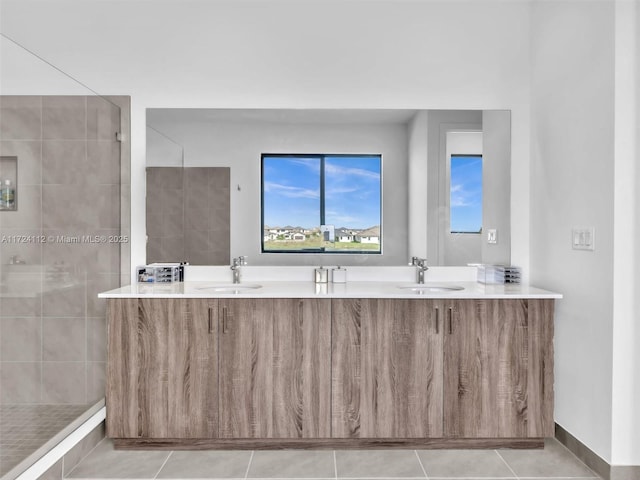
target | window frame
[{"x": 322, "y": 157}]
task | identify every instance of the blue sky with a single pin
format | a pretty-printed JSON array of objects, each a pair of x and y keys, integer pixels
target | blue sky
[
  {"x": 292, "y": 191},
  {"x": 466, "y": 193}
]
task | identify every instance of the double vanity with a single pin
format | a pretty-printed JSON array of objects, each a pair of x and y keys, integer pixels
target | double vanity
[{"x": 291, "y": 364}]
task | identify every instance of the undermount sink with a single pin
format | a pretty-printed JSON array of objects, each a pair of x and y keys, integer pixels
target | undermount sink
[
  {"x": 230, "y": 288},
  {"x": 431, "y": 288}
]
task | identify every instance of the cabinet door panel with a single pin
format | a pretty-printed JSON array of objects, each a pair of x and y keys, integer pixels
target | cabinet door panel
[
  {"x": 486, "y": 351},
  {"x": 121, "y": 394},
  {"x": 540, "y": 392},
  {"x": 387, "y": 369},
  {"x": 162, "y": 382},
  {"x": 274, "y": 368}
]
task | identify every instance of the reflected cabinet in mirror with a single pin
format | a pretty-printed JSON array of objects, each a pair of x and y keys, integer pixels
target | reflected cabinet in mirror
[{"x": 342, "y": 187}]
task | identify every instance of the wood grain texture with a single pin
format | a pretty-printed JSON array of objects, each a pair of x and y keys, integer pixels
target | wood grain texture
[
  {"x": 540, "y": 375},
  {"x": 486, "y": 356},
  {"x": 121, "y": 392},
  {"x": 162, "y": 381},
  {"x": 387, "y": 369},
  {"x": 275, "y": 368},
  {"x": 326, "y": 443}
]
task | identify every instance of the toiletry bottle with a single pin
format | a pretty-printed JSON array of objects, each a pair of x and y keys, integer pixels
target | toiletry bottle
[{"x": 7, "y": 196}]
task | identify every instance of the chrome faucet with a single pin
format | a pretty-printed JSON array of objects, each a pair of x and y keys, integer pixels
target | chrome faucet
[
  {"x": 237, "y": 263},
  {"x": 421, "y": 264}
]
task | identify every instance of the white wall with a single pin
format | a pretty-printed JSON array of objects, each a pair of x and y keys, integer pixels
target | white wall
[
  {"x": 417, "y": 185},
  {"x": 572, "y": 184},
  {"x": 626, "y": 300},
  {"x": 238, "y": 144},
  {"x": 278, "y": 54}
]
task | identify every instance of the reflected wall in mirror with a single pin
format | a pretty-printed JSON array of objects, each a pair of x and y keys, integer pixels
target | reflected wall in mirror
[{"x": 419, "y": 192}]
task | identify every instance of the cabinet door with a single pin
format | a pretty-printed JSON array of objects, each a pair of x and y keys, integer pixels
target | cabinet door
[
  {"x": 275, "y": 368},
  {"x": 486, "y": 362},
  {"x": 386, "y": 368},
  {"x": 162, "y": 378}
]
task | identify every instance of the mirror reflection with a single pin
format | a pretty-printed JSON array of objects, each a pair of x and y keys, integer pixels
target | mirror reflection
[{"x": 443, "y": 186}]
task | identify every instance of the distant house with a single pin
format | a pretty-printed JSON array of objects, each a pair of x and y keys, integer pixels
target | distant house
[
  {"x": 344, "y": 235},
  {"x": 370, "y": 235},
  {"x": 298, "y": 237}
]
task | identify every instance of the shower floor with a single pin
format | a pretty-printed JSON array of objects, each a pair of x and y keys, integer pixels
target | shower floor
[{"x": 26, "y": 428}]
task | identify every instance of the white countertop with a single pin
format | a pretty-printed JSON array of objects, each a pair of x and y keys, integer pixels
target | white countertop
[{"x": 308, "y": 289}]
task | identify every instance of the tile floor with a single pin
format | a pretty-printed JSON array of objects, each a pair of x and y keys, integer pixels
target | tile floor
[
  {"x": 25, "y": 428},
  {"x": 554, "y": 462}
]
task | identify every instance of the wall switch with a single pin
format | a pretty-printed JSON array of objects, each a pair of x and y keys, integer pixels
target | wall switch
[
  {"x": 583, "y": 238},
  {"x": 492, "y": 235}
]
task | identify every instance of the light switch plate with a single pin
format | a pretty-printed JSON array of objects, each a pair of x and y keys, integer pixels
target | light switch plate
[
  {"x": 583, "y": 238},
  {"x": 492, "y": 235}
]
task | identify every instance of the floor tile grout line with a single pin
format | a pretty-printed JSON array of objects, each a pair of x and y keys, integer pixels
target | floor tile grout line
[
  {"x": 246, "y": 473},
  {"x": 82, "y": 459},
  {"x": 335, "y": 464},
  {"x": 163, "y": 464},
  {"x": 508, "y": 466},
  {"x": 421, "y": 465}
]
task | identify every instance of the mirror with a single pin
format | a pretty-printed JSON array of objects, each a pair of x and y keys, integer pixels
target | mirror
[{"x": 427, "y": 208}]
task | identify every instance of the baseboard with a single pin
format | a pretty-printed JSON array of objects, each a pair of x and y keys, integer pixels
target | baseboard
[{"x": 594, "y": 461}]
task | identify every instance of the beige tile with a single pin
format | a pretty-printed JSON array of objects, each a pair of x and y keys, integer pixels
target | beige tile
[
  {"x": 64, "y": 382},
  {"x": 292, "y": 464},
  {"x": 463, "y": 463},
  {"x": 20, "y": 118},
  {"x": 378, "y": 463},
  {"x": 96, "y": 381},
  {"x": 65, "y": 302},
  {"x": 552, "y": 461},
  {"x": 65, "y": 162},
  {"x": 104, "y": 158},
  {"x": 203, "y": 464},
  {"x": 96, "y": 339},
  {"x": 29, "y": 306},
  {"x": 173, "y": 249},
  {"x": 64, "y": 117},
  {"x": 64, "y": 339},
  {"x": 20, "y": 382},
  {"x": 105, "y": 462},
  {"x": 103, "y": 119},
  {"x": 21, "y": 339}
]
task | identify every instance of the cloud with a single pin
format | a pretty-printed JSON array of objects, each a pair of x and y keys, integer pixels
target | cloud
[
  {"x": 461, "y": 197},
  {"x": 333, "y": 169},
  {"x": 289, "y": 191}
]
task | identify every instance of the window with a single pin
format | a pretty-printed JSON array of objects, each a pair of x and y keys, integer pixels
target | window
[
  {"x": 321, "y": 203},
  {"x": 465, "y": 191}
]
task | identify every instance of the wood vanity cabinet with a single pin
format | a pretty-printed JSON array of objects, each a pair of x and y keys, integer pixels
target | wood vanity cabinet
[
  {"x": 162, "y": 373},
  {"x": 275, "y": 368},
  {"x": 468, "y": 369},
  {"x": 270, "y": 372}
]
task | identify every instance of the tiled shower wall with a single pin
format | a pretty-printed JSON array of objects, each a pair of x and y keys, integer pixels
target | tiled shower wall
[
  {"x": 70, "y": 181},
  {"x": 193, "y": 199}
]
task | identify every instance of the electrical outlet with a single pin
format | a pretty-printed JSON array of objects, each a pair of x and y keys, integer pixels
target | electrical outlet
[
  {"x": 583, "y": 238},
  {"x": 492, "y": 235}
]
